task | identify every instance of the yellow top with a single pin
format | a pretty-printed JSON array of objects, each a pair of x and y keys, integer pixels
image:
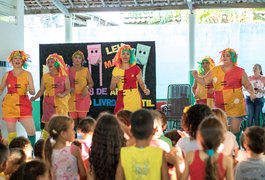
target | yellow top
[{"x": 142, "y": 163}]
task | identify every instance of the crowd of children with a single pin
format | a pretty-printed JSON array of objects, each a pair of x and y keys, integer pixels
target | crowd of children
[{"x": 206, "y": 151}]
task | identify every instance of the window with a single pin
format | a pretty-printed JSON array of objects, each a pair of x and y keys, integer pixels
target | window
[{"x": 8, "y": 11}]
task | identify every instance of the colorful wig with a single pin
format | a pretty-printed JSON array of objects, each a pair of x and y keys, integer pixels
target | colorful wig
[
  {"x": 233, "y": 54},
  {"x": 59, "y": 64},
  {"x": 117, "y": 59},
  {"x": 25, "y": 57},
  {"x": 205, "y": 59},
  {"x": 79, "y": 53}
]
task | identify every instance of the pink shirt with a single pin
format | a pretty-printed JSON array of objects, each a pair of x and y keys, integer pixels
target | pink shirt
[{"x": 64, "y": 164}]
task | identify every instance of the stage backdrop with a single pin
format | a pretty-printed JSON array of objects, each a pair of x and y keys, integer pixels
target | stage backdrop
[{"x": 99, "y": 60}]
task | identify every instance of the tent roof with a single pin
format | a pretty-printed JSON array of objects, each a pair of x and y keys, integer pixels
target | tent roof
[{"x": 76, "y": 6}]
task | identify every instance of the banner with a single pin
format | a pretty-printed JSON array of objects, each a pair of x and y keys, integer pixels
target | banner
[{"x": 98, "y": 58}]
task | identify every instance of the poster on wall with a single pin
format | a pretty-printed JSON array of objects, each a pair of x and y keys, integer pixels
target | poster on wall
[{"x": 98, "y": 58}]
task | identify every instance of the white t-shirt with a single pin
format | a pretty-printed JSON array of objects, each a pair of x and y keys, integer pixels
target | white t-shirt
[
  {"x": 229, "y": 144},
  {"x": 186, "y": 144}
]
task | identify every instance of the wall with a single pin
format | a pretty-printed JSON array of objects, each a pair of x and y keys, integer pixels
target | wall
[
  {"x": 12, "y": 37},
  {"x": 171, "y": 45}
]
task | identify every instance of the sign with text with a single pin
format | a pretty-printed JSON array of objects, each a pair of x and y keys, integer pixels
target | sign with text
[{"x": 98, "y": 58}]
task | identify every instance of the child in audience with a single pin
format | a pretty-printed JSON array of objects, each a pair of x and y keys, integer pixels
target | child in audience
[
  {"x": 206, "y": 163},
  {"x": 174, "y": 136},
  {"x": 33, "y": 170},
  {"x": 164, "y": 119},
  {"x": 85, "y": 130},
  {"x": 38, "y": 149},
  {"x": 158, "y": 141},
  {"x": 142, "y": 161},
  {"x": 191, "y": 122},
  {"x": 16, "y": 158},
  {"x": 3, "y": 160},
  {"x": 108, "y": 139},
  {"x": 24, "y": 144},
  {"x": 230, "y": 146},
  {"x": 64, "y": 162},
  {"x": 254, "y": 166},
  {"x": 123, "y": 117}
]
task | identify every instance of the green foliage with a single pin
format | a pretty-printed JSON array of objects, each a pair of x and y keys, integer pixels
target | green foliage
[{"x": 208, "y": 16}]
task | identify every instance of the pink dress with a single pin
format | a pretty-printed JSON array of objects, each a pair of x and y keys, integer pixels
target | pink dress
[{"x": 64, "y": 164}]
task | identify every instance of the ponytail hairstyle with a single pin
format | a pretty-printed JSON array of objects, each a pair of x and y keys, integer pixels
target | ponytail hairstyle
[
  {"x": 211, "y": 131},
  {"x": 56, "y": 125}
]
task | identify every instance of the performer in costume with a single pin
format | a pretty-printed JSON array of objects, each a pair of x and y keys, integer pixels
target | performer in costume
[
  {"x": 16, "y": 104},
  {"x": 255, "y": 107},
  {"x": 126, "y": 75},
  {"x": 204, "y": 93},
  {"x": 81, "y": 82},
  {"x": 228, "y": 80},
  {"x": 55, "y": 86}
]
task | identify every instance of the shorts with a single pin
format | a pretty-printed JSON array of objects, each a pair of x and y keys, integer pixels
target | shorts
[
  {"x": 14, "y": 120},
  {"x": 229, "y": 118},
  {"x": 78, "y": 115}
]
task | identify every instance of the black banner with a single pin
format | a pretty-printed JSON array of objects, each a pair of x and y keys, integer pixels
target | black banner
[{"x": 102, "y": 99}]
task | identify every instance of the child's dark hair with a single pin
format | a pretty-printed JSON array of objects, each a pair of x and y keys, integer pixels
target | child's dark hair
[
  {"x": 164, "y": 118},
  {"x": 108, "y": 138},
  {"x": 142, "y": 124},
  {"x": 254, "y": 138},
  {"x": 3, "y": 153},
  {"x": 19, "y": 142},
  {"x": 173, "y": 135},
  {"x": 195, "y": 115},
  {"x": 212, "y": 133},
  {"x": 17, "y": 156},
  {"x": 124, "y": 117},
  {"x": 56, "y": 125},
  {"x": 38, "y": 148},
  {"x": 29, "y": 171},
  {"x": 87, "y": 125}
]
